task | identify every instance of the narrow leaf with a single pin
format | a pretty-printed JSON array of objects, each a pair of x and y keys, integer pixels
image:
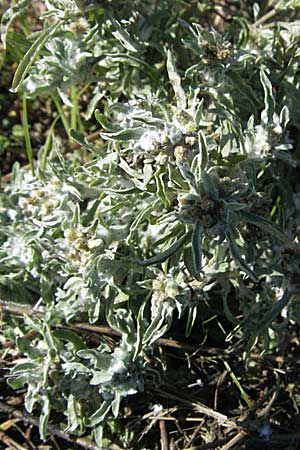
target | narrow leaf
[
  {"x": 104, "y": 122},
  {"x": 209, "y": 186},
  {"x": 69, "y": 336},
  {"x": 192, "y": 315},
  {"x": 284, "y": 117},
  {"x": 235, "y": 253},
  {"x": 44, "y": 417},
  {"x": 73, "y": 419},
  {"x": 160, "y": 186},
  {"x": 144, "y": 214},
  {"x": 265, "y": 225},
  {"x": 115, "y": 406},
  {"x": 197, "y": 248},
  {"x": 31, "y": 55},
  {"x": 125, "y": 135},
  {"x": 176, "y": 82},
  {"x": 189, "y": 261},
  {"x": 203, "y": 153},
  {"x": 161, "y": 257},
  {"x": 123, "y": 36},
  {"x": 100, "y": 414},
  {"x": 267, "y": 113},
  {"x": 157, "y": 328},
  {"x": 271, "y": 315},
  {"x": 100, "y": 377},
  {"x": 9, "y": 16},
  {"x": 81, "y": 139}
]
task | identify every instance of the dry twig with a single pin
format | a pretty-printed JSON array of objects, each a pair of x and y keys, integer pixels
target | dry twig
[{"x": 163, "y": 435}]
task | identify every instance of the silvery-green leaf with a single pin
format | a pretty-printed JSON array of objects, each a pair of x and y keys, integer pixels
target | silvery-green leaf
[
  {"x": 284, "y": 117},
  {"x": 197, "y": 248},
  {"x": 189, "y": 261},
  {"x": 100, "y": 377},
  {"x": 9, "y": 15},
  {"x": 32, "y": 397},
  {"x": 199, "y": 113},
  {"x": 75, "y": 367},
  {"x": 17, "y": 382},
  {"x": 132, "y": 172},
  {"x": 235, "y": 252},
  {"x": 44, "y": 417},
  {"x": 25, "y": 347},
  {"x": 134, "y": 61},
  {"x": 115, "y": 406},
  {"x": 234, "y": 206},
  {"x": 192, "y": 315},
  {"x": 98, "y": 95},
  {"x": 95, "y": 309},
  {"x": 203, "y": 153},
  {"x": 265, "y": 225},
  {"x": 73, "y": 418},
  {"x": 186, "y": 172},
  {"x": 176, "y": 82},
  {"x": 98, "y": 435},
  {"x": 104, "y": 122},
  {"x": 161, "y": 190},
  {"x": 24, "y": 367},
  {"x": 50, "y": 340},
  {"x": 128, "y": 134},
  {"x": 100, "y": 414},
  {"x": 161, "y": 257},
  {"x": 147, "y": 173},
  {"x": 81, "y": 139},
  {"x": 271, "y": 315},
  {"x": 209, "y": 185},
  {"x": 141, "y": 328},
  {"x": 267, "y": 113},
  {"x": 69, "y": 336},
  {"x": 256, "y": 11},
  {"x": 144, "y": 214},
  {"x": 289, "y": 4},
  {"x": 123, "y": 36},
  {"x": 157, "y": 328},
  {"x": 65, "y": 99},
  {"x": 285, "y": 147},
  {"x": 31, "y": 55}
]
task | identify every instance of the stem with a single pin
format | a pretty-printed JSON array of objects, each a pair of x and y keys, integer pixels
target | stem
[
  {"x": 48, "y": 144},
  {"x": 74, "y": 110},
  {"x": 26, "y": 134},
  {"x": 84, "y": 89},
  {"x": 271, "y": 3},
  {"x": 61, "y": 114},
  {"x": 268, "y": 15}
]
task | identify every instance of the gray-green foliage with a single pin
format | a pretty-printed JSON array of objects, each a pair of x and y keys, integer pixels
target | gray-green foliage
[{"x": 191, "y": 190}]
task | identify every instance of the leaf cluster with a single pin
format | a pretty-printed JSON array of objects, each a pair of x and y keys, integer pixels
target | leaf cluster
[{"x": 189, "y": 195}]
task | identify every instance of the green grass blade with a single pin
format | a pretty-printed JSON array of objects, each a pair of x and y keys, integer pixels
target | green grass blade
[{"x": 238, "y": 384}]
